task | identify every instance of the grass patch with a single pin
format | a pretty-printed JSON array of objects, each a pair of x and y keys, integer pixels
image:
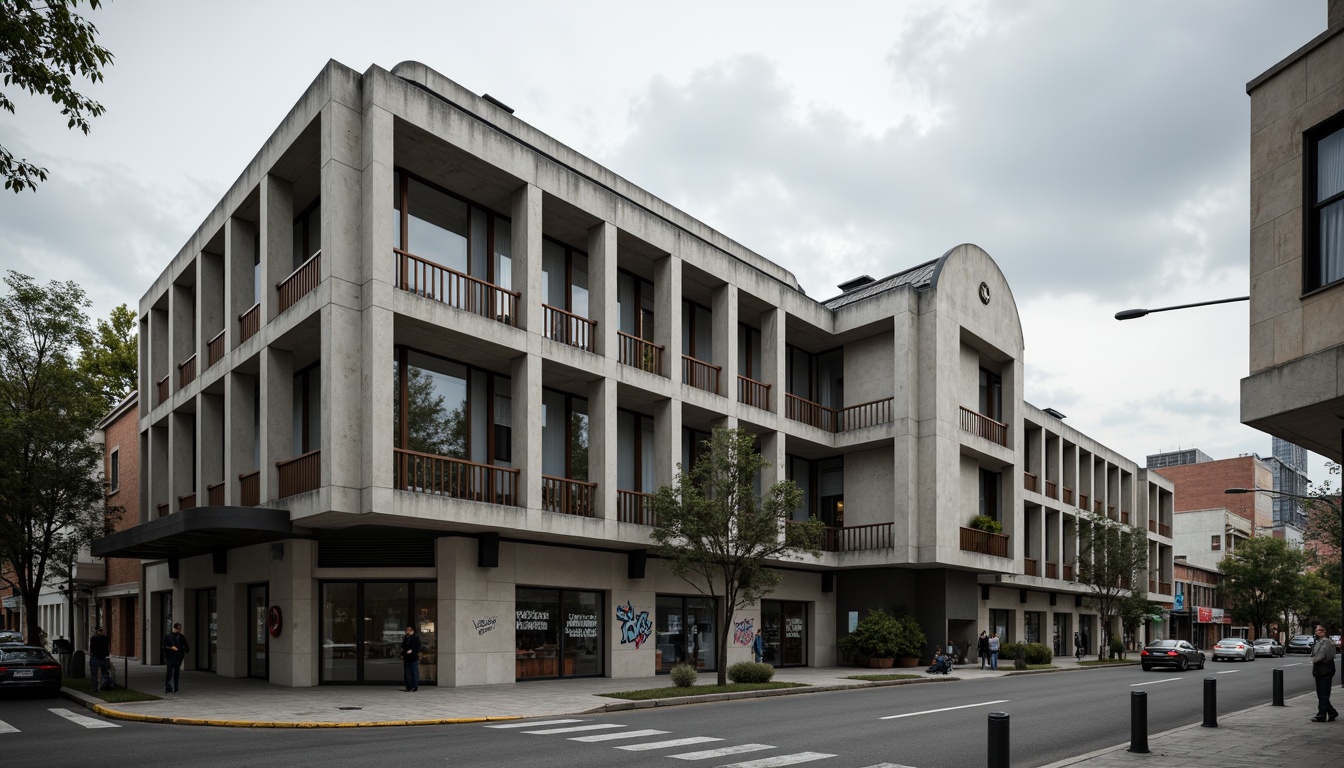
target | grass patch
[
  {"x": 118, "y": 695},
  {"x": 670, "y": 692},
  {"x": 1041, "y": 666},
  {"x": 881, "y": 678}
]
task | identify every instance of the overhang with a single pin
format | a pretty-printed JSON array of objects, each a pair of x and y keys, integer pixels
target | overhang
[
  {"x": 1301, "y": 401},
  {"x": 197, "y": 531}
]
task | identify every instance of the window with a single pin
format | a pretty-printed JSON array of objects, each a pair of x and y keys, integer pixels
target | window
[
  {"x": 991, "y": 395},
  {"x": 990, "y": 485},
  {"x": 307, "y": 413},
  {"x": 440, "y": 228},
  {"x": 1216, "y": 542},
  {"x": 564, "y": 435},
  {"x": 114, "y": 471},
  {"x": 308, "y": 233},
  {"x": 1324, "y": 211},
  {"x": 697, "y": 331},
  {"x": 443, "y": 409}
]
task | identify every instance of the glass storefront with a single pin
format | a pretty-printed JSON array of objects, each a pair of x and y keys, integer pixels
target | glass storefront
[
  {"x": 259, "y": 638},
  {"x": 684, "y": 632},
  {"x": 558, "y": 633},
  {"x": 206, "y": 641},
  {"x": 784, "y": 630},
  {"x": 362, "y": 626}
]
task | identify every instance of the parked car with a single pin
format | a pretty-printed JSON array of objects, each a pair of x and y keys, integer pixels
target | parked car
[
  {"x": 10, "y": 637},
  {"x": 1171, "y": 653},
  {"x": 26, "y": 666},
  {"x": 1339, "y": 643},
  {"x": 1234, "y": 648},
  {"x": 1268, "y": 646},
  {"x": 1300, "y": 644}
]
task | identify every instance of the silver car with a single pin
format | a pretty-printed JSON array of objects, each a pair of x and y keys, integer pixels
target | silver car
[
  {"x": 1234, "y": 648},
  {"x": 1268, "y": 646}
]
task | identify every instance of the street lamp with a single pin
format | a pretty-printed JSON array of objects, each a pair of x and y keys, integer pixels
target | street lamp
[
  {"x": 1339, "y": 545},
  {"x": 1131, "y": 314}
]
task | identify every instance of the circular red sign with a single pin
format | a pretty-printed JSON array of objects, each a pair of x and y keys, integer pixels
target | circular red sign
[{"x": 274, "y": 621}]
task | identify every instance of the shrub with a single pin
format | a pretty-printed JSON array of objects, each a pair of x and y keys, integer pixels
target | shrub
[
  {"x": 986, "y": 523},
  {"x": 1117, "y": 648},
  {"x": 1039, "y": 653},
  {"x": 683, "y": 675},
  {"x": 750, "y": 672},
  {"x": 879, "y": 635}
]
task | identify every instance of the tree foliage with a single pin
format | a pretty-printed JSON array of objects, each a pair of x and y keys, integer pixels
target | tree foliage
[
  {"x": 43, "y": 45},
  {"x": 1261, "y": 579},
  {"x": 1315, "y": 600},
  {"x": 1112, "y": 565},
  {"x": 51, "y": 493},
  {"x": 717, "y": 534},
  {"x": 1323, "y": 513},
  {"x": 109, "y": 355}
]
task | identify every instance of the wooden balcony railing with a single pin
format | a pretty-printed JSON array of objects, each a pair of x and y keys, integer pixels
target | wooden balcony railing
[
  {"x": 249, "y": 488},
  {"x": 300, "y": 474},
  {"x": 984, "y": 542},
  {"x": 700, "y": 374},
  {"x": 214, "y": 494},
  {"x": 186, "y": 501},
  {"x": 214, "y": 349},
  {"x": 1068, "y": 572},
  {"x": 1068, "y": 495},
  {"x": 1052, "y": 489},
  {"x": 856, "y": 538},
  {"x": 867, "y": 414},
  {"x": 163, "y": 389},
  {"x": 979, "y": 424},
  {"x": 249, "y": 322},
  {"x": 1152, "y": 585},
  {"x": 568, "y": 328},
  {"x": 1152, "y": 525},
  {"x": 457, "y": 478},
  {"x": 638, "y": 353},
  {"x": 753, "y": 393},
  {"x": 1124, "y": 516},
  {"x": 1030, "y": 566},
  {"x": 1051, "y": 570},
  {"x": 1164, "y": 530},
  {"x": 1164, "y": 588},
  {"x": 425, "y": 278},
  {"x": 1083, "y": 501},
  {"x": 300, "y": 282},
  {"x": 164, "y": 509},
  {"x": 1030, "y": 482},
  {"x": 634, "y": 507},
  {"x": 808, "y": 412},
  {"x": 568, "y": 497},
  {"x": 186, "y": 372},
  {"x": 1096, "y": 507}
]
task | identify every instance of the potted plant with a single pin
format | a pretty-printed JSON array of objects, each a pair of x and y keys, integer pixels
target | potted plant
[
  {"x": 882, "y": 638},
  {"x": 986, "y": 523}
]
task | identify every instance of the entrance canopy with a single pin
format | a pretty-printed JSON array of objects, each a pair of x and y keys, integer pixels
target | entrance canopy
[{"x": 197, "y": 531}]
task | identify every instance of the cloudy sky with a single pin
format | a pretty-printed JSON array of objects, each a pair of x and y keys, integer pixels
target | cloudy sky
[{"x": 1097, "y": 150}]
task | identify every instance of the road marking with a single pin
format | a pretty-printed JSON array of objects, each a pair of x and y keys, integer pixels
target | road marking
[
  {"x": 888, "y": 765},
  {"x": 722, "y": 751},
  {"x": 82, "y": 720},
  {"x": 944, "y": 709},
  {"x": 577, "y": 728},
  {"x": 774, "y": 762},
  {"x": 533, "y": 723},
  {"x": 1228, "y": 672},
  {"x": 1295, "y": 664},
  {"x": 668, "y": 744},
  {"x": 1155, "y": 682},
  {"x": 621, "y": 735},
  {"x": 7, "y": 728}
]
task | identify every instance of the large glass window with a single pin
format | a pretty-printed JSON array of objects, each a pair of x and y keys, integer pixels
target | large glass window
[
  {"x": 991, "y": 395},
  {"x": 784, "y": 632},
  {"x": 634, "y": 305},
  {"x": 446, "y": 230},
  {"x": 634, "y": 459},
  {"x": 307, "y": 409},
  {"x": 449, "y": 409},
  {"x": 564, "y": 278},
  {"x": 564, "y": 435},
  {"x": 362, "y": 626},
  {"x": 684, "y": 632},
  {"x": 749, "y": 353},
  {"x": 697, "y": 331},
  {"x": 557, "y": 633},
  {"x": 819, "y": 378},
  {"x": 308, "y": 233},
  {"x": 1325, "y": 210},
  {"x": 991, "y": 484}
]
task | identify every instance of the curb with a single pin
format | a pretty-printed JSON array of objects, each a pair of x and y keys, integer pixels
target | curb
[
  {"x": 136, "y": 717},
  {"x": 676, "y": 701}
]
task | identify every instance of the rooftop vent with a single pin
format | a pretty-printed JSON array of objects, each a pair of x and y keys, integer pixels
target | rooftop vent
[
  {"x": 497, "y": 103},
  {"x": 1053, "y": 412},
  {"x": 857, "y": 282}
]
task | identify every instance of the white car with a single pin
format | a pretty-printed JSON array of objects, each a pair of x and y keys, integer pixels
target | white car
[{"x": 1234, "y": 648}]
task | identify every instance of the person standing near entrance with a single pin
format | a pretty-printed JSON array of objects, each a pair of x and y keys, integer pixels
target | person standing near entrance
[
  {"x": 1323, "y": 669},
  {"x": 100, "y": 652},
  {"x": 758, "y": 647},
  {"x": 410, "y": 659},
  {"x": 1077, "y": 646},
  {"x": 174, "y": 653},
  {"x": 982, "y": 649},
  {"x": 994, "y": 650}
]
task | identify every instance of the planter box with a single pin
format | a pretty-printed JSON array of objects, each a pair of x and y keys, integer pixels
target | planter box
[
  {"x": 881, "y": 663},
  {"x": 907, "y": 661}
]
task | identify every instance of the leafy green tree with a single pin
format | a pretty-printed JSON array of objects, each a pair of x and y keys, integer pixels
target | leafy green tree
[
  {"x": 431, "y": 427},
  {"x": 1317, "y": 599},
  {"x": 42, "y": 46},
  {"x": 1112, "y": 566},
  {"x": 51, "y": 492},
  {"x": 110, "y": 355},
  {"x": 717, "y": 534},
  {"x": 1135, "y": 608},
  {"x": 1323, "y": 513},
  {"x": 1261, "y": 580}
]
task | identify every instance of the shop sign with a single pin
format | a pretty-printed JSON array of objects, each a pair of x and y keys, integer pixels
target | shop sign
[{"x": 581, "y": 625}]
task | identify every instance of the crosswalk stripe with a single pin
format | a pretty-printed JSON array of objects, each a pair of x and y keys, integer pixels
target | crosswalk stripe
[
  {"x": 774, "y": 762},
  {"x": 621, "y": 735},
  {"x": 7, "y": 728},
  {"x": 533, "y": 723},
  {"x": 669, "y": 744},
  {"x": 722, "y": 751},
  {"x": 576, "y": 729},
  {"x": 888, "y": 765},
  {"x": 82, "y": 720}
]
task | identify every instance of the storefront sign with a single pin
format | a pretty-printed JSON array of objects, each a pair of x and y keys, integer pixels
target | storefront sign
[
  {"x": 793, "y": 627},
  {"x": 581, "y": 625},
  {"x": 532, "y": 621}
]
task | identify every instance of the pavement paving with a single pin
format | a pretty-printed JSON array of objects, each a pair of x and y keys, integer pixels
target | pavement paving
[{"x": 1252, "y": 737}]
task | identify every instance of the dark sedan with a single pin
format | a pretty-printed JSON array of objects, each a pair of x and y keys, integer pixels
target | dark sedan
[
  {"x": 1171, "y": 653},
  {"x": 10, "y": 637},
  {"x": 1301, "y": 644},
  {"x": 1268, "y": 646},
  {"x": 23, "y": 666}
]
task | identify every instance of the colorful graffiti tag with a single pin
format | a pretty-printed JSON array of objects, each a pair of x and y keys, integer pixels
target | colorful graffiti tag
[
  {"x": 635, "y": 627},
  {"x": 744, "y": 631}
]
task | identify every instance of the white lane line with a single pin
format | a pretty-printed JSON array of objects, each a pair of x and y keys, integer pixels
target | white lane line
[
  {"x": 669, "y": 743},
  {"x": 888, "y": 765},
  {"x": 577, "y": 728},
  {"x": 1228, "y": 672},
  {"x": 82, "y": 720},
  {"x": 7, "y": 728},
  {"x": 944, "y": 709},
  {"x": 1155, "y": 682},
  {"x": 722, "y": 751},
  {"x": 1295, "y": 664},
  {"x": 533, "y": 723},
  {"x": 774, "y": 762},
  {"x": 621, "y": 735}
]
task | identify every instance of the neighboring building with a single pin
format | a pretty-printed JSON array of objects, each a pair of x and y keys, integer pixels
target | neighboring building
[
  {"x": 1205, "y": 536},
  {"x": 1203, "y": 486},
  {"x": 1290, "y": 476},
  {"x": 1177, "y": 458},
  {"x": 1198, "y": 613},
  {"x": 117, "y": 599},
  {"x": 423, "y": 365}
]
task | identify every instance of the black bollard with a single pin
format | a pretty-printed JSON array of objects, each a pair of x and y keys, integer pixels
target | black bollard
[
  {"x": 1210, "y": 703},
  {"x": 1278, "y": 687},
  {"x": 1138, "y": 722},
  {"x": 998, "y": 740}
]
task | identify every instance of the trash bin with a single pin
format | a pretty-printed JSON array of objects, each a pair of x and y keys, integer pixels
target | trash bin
[{"x": 76, "y": 668}]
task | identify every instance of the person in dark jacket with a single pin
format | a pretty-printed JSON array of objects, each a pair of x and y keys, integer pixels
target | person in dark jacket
[
  {"x": 100, "y": 652},
  {"x": 982, "y": 648},
  {"x": 1323, "y": 669},
  {"x": 174, "y": 653},
  {"x": 410, "y": 659}
]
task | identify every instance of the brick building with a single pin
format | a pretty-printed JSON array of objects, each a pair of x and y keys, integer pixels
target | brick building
[
  {"x": 1202, "y": 485},
  {"x": 117, "y": 601}
]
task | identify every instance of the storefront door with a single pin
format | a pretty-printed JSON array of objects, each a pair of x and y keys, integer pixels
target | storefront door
[
  {"x": 558, "y": 633},
  {"x": 362, "y": 626},
  {"x": 784, "y": 631},
  {"x": 258, "y": 658},
  {"x": 207, "y": 630}
]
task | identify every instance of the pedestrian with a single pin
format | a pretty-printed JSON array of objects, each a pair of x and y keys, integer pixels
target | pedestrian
[
  {"x": 982, "y": 649},
  {"x": 1077, "y": 646},
  {"x": 1086, "y": 645},
  {"x": 994, "y": 650},
  {"x": 175, "y": 649},
  {"x": 100, "y": 665},
  {"x": 758, "y": 647},
  {"x": 1323, "y": 669},
  {"x": 410, "y": 659}
]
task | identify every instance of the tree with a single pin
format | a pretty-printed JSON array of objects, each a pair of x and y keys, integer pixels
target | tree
[
  {"x": 110, "y": 355},
  {"x": 42, "y": 46},
  {"x": 1112, "y": 564},
  {"x": 717, "y": 534},
  {"x": 1135, "y": 608},
  {"x": 51, "y": 493},
  {"x": 1323, "y": 516},
  {"x": 1317, "y": 599},
  {"x": 1261, "y": 580}
]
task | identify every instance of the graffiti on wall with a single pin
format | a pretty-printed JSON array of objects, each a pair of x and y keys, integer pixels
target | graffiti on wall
[
  {"x": 744, "y": 631},
  {"x": 635, "y": 627},
  {"x": 483, "y": 625}
]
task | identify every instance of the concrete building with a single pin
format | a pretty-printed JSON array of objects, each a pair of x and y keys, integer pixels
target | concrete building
[
  {"x": 1198, "y": 612},
  {"x": 422, "y": 366},
  {"x": 1291, "y": 475}
]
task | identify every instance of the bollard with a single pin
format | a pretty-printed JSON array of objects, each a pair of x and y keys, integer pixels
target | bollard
[
  {"x": 998, "y": 740},
  {"x": 1278, "y": 687},
  {"x": 1138, "y": 722},
  {"x": 1210, "y": 703}
]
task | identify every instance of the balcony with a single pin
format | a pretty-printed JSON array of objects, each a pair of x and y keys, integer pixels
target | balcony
[
  {"x": 249, "y": 323},
  {"x": 1152, "y": 525},
  {"x": 214, "y": 349},
  {"x": 1125, "y": 516},
  {"x": 568, "y": 497},
  {"x": 163, "y": 389},
  {"x": 186, "y": 372},
  {"x": 979, "y": 424},
  {"x": 164, "y": 509},
  {"x": 1084, "y": 501},
  {"x": 753, "y": 393},
  {"x": 635, "y": 507},
  {"x": 300, "y": 474},
  {"x": 567, "y": 328},
  {"x": 455, "y": 478},
  {"x": 984, "y": 542},
  {"x": 1051, "y": 570},
  {"x": 186, "y": 501},
  {"x": 1164, "y": 588},
  {"x": 638, "y": 353},
  {"x": 1068, "y": 495},
  {"x": 1052, "y": 489},
  {"x": 842, "y": 420},
  {"x": 1164, "y": 530},
  {"x": 1030, "y": 566},
  {"x": 700, "y": 374},
  {"x": 1068, "y": 572},
  {"x": 300, "y": 282},
  {"x": 215, "y": 494},
  {"x": 1152, "y": 585},
  {"x": 1030, "y": 482},
  {"x": 249, "y": 488},
  {"x": 857, "y": 538},
  {"x": 464, "y": 292}
]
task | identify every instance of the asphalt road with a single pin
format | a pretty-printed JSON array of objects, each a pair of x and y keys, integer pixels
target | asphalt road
[{"x": 939, "y": 725}]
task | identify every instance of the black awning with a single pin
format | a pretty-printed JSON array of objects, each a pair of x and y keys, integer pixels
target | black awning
[{"x": 197, "y": 531}]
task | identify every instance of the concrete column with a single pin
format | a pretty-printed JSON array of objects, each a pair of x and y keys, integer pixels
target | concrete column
[
  {"x": 277, "y": 241},
  {"x": 378, "y": 230},
  {"x": 277, "y": 417},
  {"x": 602, "y": 287},
  {"x": 667, "y": 312},
  {"x": 526, "y": 260},
  {"x": 667, "y": 440},
  {"x": 603, "y": 444},
  {"x": 240, "y": 410},
  {"x": 343, "y": 403},
  {"x": 159, "y": 351},
  {"x": 240, "y": 252},
  {"x": 342, "y": 158},
  {"x": 772, "y": 450},
  {"x": 160, "y": 470},
  {"x": 181, "y": 447},
  {"x": 377, "y": 386},
  {"x": 526, "y": 393},
  {"x": 724, "y": 309},
  {"x": 773, "y": 358}
]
